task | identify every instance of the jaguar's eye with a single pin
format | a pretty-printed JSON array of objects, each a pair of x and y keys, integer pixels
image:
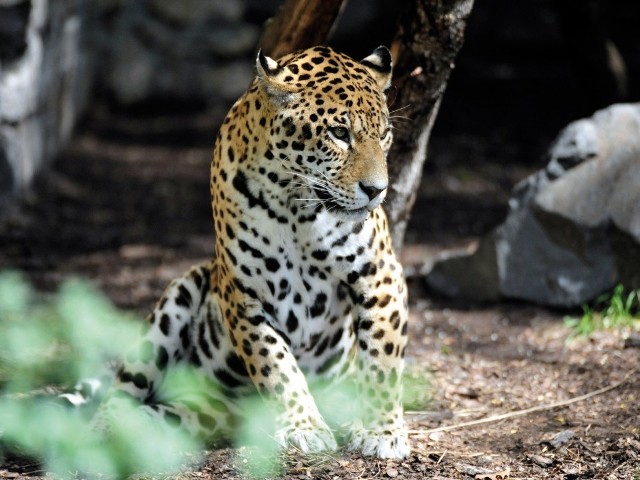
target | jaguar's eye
[{"x": 341, "y": 133}]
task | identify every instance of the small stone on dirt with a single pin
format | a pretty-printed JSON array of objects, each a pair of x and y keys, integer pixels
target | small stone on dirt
[
  {"x": 392, "y": 472},
  {"x": 541, "y": 461},
  {"x": 467, "y": 392},
  {"x": 473, "y": 470},
  {"x": 560, "y": 439},
  {"x": 632, "y": 341}
]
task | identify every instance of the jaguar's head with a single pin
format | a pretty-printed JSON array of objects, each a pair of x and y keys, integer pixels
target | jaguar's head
[{"x": 330, "y": 126}]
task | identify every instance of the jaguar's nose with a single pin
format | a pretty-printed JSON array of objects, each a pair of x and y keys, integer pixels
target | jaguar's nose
[{"x": 372, "y": 191}]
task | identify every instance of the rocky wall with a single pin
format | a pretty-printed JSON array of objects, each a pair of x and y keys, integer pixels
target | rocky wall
[
  {"x": 53, "y": 52},
  {"x": 45, "y": 77},
  {"x": 163, "y": 50}
]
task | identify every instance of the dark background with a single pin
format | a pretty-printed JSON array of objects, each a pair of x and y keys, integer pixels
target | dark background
[{"x": 135, "y": 176}]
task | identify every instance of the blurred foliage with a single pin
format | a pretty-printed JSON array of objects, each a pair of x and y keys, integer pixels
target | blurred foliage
[
  {"x": 59, "y": 341},
  {"x": 54, "y": 343},
  {"x": 615, "y": 310},
  {"x": 418, "y": 388}
]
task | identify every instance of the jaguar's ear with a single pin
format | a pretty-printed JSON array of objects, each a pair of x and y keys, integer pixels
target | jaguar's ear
[
  {"x": 379, "y": 65},
  {"x": 275, "y": 80}
]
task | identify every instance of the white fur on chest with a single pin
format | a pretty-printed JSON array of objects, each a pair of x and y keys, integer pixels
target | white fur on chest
[{"x": 306, "y": 297}]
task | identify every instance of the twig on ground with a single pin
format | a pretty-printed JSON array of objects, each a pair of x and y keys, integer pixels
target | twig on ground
[{"x": 504, "y": 416}]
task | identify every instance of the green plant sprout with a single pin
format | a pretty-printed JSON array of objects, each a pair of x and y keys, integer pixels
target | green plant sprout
[{"x": 610, "y": 311}]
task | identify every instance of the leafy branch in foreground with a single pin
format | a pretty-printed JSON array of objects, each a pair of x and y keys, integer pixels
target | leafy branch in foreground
[
  {"x": 610, "y": 311},
  {"x": 46, "y": 346},
  {"x": 56, "y": 342}
]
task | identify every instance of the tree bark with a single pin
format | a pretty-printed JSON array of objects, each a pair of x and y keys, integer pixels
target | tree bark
[
  {"x": 300, "y": 24},
  {"x": 430, "y": 34}
]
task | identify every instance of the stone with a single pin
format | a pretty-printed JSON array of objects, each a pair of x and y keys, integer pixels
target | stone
[
  {"x": 607, "y": 187},
  {"x": 573, "y": 229},
  {"x": 476, "y": 276}
]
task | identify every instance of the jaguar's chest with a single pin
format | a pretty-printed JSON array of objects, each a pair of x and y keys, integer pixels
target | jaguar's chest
[
  {"x": 301, "y": 293},
  {"x": 296, "y": 282}
]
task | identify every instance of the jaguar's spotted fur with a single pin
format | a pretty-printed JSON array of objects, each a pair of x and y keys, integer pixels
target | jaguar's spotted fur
[{"x": 304, "y": 282}]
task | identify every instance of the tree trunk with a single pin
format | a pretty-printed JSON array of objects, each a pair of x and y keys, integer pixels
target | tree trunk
[
  {"x": 300, "y": 24},
  {"x": 430, "y": 34}
]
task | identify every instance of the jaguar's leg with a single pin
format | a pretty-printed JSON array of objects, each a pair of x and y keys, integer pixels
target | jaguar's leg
[
  {"x": 381, "y": 330},
  {"x": 180, "y": 329},
  {"x": 274, "y": 371}
]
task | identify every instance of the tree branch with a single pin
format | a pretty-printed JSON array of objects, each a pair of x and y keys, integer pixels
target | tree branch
[{"x": 300, "y": 24}]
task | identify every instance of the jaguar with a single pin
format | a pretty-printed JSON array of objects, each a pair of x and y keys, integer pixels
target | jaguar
[{"x": 304, "y": 283}]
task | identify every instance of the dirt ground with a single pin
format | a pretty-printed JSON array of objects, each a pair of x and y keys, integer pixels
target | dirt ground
[{"x": 126, "y": 206}]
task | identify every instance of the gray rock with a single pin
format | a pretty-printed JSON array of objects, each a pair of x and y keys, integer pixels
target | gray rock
[
  {"x": 573, "y": 229},
  {"x": 605, "y": 189},
  {"x": 463, "y": 275},
  {"x": 560, "y": 439}
]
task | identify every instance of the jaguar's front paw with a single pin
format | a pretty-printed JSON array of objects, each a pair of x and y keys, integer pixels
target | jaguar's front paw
[
  {"x": 310, "y": 440},
  {"x": 382, "y": 444}
]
